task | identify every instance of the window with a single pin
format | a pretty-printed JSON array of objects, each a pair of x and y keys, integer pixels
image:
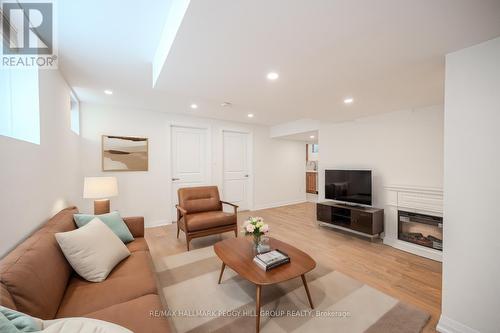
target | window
[
  {"x": 315, "y": 148},
  {"x": 19, "y": 104},
  {"x": 75, "y": 114}
]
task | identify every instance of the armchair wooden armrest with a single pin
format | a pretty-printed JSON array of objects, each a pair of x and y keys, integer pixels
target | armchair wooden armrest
[
  {"x": 181, "y": 210},
  {"x": 231, "y": 204}
]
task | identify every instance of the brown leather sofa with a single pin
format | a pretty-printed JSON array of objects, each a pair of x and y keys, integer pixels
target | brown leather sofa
[
  {"x": 36, "y": 279},
  {"x": 199, "y": 213}
]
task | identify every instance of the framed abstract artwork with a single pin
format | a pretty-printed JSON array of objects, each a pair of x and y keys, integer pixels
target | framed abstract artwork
[{"x": 124, "y": 153}]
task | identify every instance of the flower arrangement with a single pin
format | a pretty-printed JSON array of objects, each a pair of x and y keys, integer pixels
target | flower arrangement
[{"x": 255, "y": 226}]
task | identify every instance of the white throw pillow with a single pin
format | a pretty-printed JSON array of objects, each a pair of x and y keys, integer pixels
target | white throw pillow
[
  {"x": 81, "y": 325},
  {"x": 92, "y": 250}
]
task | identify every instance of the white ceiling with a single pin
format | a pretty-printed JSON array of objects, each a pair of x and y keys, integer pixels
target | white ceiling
[
  {"x": 304, "y": 137},
  {"x": 387, "y": 54}
]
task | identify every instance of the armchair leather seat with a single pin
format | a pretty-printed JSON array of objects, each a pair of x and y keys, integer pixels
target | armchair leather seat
[{"x": 206, "y": 220}]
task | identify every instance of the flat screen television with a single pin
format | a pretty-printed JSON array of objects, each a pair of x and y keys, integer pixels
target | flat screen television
[{"x": 350, "y": 186}]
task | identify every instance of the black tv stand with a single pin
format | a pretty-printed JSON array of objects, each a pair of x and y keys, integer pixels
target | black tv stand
[
  {"x": 366, "y": 221},
  {"x": 349, "y": 205}
]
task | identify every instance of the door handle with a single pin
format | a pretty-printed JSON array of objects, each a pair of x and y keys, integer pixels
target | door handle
[
  {"x": 174, "y": 179},
  {"x": 246, "y": 176}
]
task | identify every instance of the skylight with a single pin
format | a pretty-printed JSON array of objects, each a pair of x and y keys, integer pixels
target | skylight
[{"x": 174, "y": 19}]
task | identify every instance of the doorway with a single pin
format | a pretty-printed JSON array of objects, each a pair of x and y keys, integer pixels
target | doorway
[
  {"x": 312, "y": 160},
  {"x": 190, "y": 160},
  {"x": 236, "y": 186}
]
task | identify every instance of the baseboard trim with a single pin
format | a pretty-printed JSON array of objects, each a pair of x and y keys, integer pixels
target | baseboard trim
[
  {"x": 279, "y": 204},
  {"x": 448, "y": 325},
  {"x": 158, "y": 223}
]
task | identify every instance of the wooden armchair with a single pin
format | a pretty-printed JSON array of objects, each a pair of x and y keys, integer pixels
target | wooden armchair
[{"x": 199, "y": 213}]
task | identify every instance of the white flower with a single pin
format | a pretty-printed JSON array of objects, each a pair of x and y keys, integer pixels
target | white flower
[
  {"x": 250, "y": 228},
  {"x": 265, "y": 228},
  {"x": 254, "y": 223}
]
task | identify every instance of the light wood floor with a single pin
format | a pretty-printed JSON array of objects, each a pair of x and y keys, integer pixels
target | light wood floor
[{"x": 410, "y": 278}]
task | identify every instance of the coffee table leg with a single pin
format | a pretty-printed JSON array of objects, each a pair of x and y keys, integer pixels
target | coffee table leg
[
  {"x": 221, "y": 271},
  {"x": 307, "y": 290},
  {"x": 257, "y": 309}
]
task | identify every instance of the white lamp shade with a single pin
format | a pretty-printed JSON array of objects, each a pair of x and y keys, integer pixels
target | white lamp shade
[{"x": 100, "y": 187}]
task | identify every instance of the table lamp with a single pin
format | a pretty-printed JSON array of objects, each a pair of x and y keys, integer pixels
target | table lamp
[{"x": 100, "y": 188}]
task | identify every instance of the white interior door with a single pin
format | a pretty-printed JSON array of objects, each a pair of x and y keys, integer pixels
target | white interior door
[
  {"x": 190, "y": 164},
  {"x": 236, "y": 169}
]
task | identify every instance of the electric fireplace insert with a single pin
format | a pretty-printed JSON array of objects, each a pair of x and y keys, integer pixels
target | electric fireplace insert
[{"x": 424, "y": 230}]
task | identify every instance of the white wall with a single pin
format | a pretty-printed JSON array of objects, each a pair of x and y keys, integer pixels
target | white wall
[
  {"x": 403, "y": 148},
  {"x": 471, "y": 267},
  {"x": 278, "y": 165},
  {"x": 39, "y": 180},
  {"x": 280, "y": 170}
]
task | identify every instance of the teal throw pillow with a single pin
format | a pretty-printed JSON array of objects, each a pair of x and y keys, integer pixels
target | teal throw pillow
[
  {"x": 113, "y": 220},
  {"x": 12, "y": 321},
  {"x": 6, "y": 326}
]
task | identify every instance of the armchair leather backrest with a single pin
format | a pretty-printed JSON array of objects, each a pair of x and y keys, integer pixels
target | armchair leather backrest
[{"x": 199, "y": 199}]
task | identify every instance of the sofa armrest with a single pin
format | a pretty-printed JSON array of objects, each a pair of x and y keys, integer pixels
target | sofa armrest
[{"x": 135, "y": 225}]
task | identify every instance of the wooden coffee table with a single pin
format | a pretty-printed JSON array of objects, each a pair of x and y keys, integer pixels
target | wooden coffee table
[{"x": 238, "y": 254}]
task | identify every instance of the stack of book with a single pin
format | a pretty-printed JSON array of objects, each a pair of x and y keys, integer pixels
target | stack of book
[{"x": 271, "y": 259}]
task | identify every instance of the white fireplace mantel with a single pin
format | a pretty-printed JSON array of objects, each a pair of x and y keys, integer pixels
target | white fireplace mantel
[{"x": 423, "y": 200}]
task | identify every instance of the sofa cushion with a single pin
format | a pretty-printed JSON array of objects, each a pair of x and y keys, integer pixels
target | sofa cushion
[
  {"x": 93, "y": 250},
  {"x": 199, "y": 199},
  {"x": 206, "y": 220},
  {"x": 130, "y": 279},
  {"x": 5, "y": 297},
  {"x": 138, "y": 263},
  {"x": 140, "y": 315},
  {"x": 113, "y": 220},
  {"x": 139, "y": 244},
  {"x": 36, "y": 273}
]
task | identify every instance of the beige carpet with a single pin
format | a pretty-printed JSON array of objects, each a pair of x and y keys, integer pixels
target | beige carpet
[{"x": 196, "y": 303}]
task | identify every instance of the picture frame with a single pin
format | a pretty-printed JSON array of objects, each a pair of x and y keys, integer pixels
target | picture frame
[{"x": 124, "y": 153}]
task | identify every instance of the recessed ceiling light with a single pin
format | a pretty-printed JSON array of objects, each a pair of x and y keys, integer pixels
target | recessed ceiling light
[
  {"x": 194, "y": 106},
  {"x": 311, "y": 137},
  {"x": 250, "y": 115},
  {"x": 348, "y": 100},
  {"x": 108, "y": 92},
  {"x": 272, "y": 76}
]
